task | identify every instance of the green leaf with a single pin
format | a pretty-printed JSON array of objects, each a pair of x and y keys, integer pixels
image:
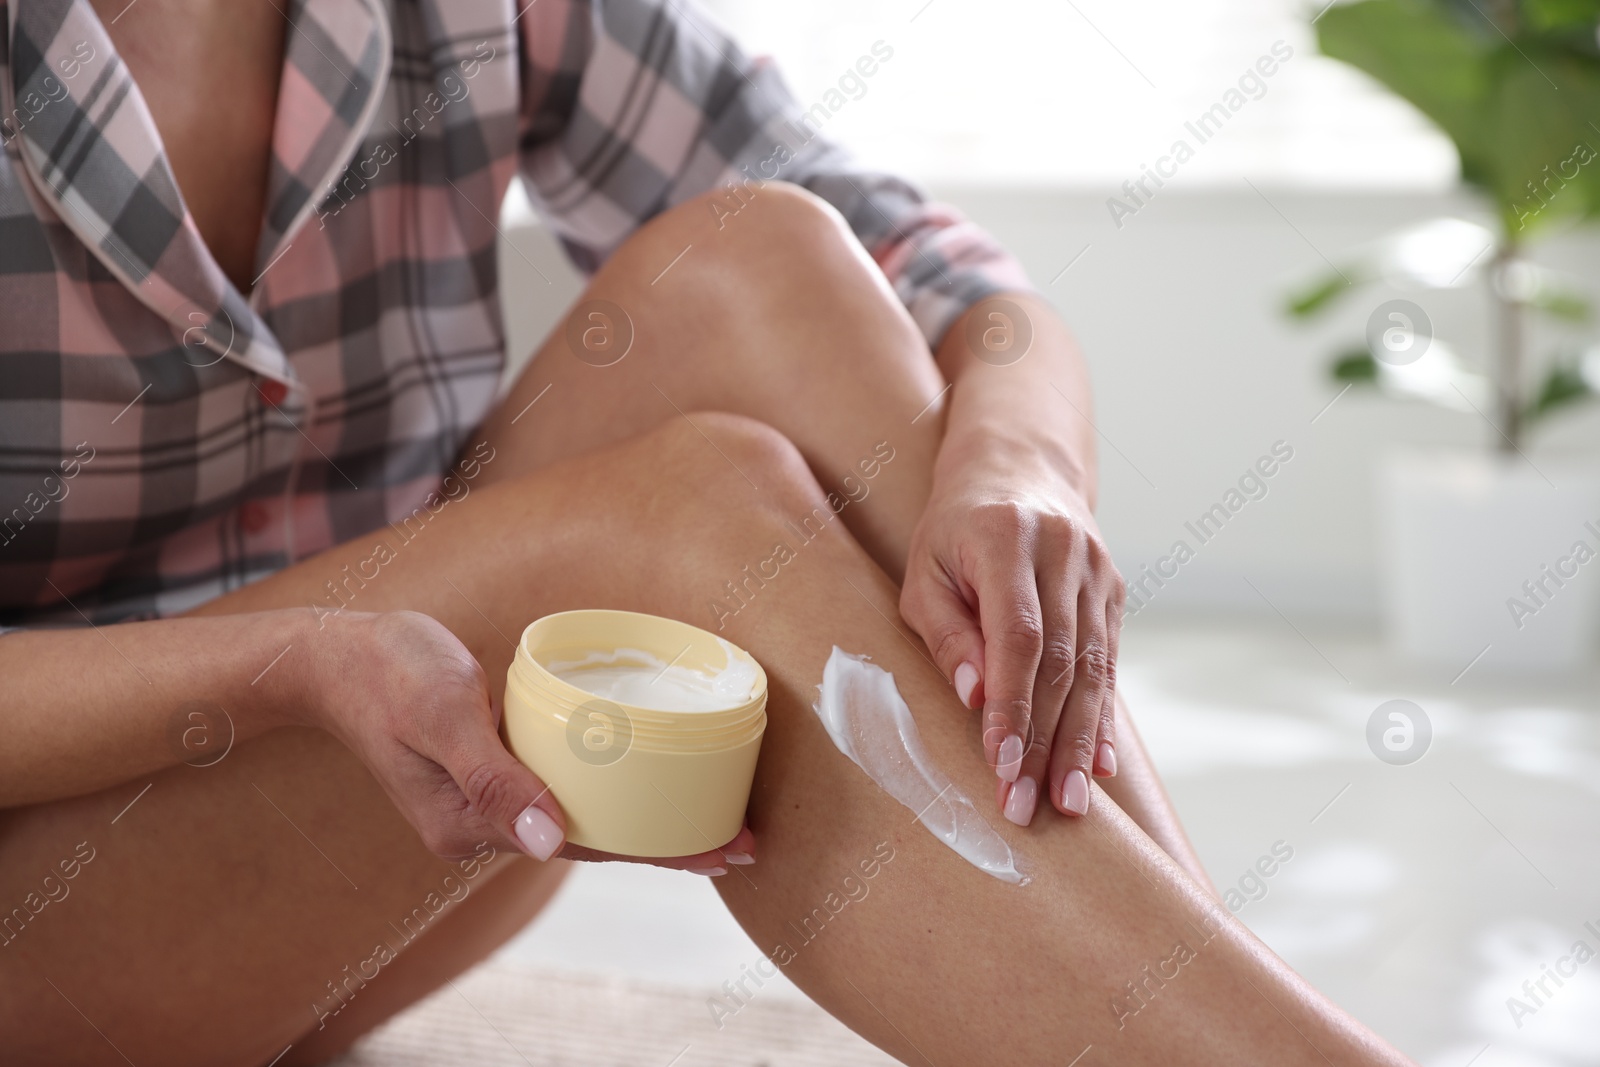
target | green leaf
[
  {"x": 1422, "y": 53},
  {"x": 1563, "y": 304},
  {"x": 1542, "y": 166},
  {"x": 1562, "y": 14},
  {"x": 1563, "y": 386},
  {"x": 1519, "y": 109},
  {"x": 1315, "y": 297},
  {"x": 1355, "y": 365}
]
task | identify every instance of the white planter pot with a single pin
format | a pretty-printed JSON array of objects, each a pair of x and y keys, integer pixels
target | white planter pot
[{"x": 1482, "y": 552}]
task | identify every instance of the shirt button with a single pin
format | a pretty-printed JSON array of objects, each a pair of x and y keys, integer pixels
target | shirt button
[
  {"x": 253, "y": 516},
  {"x": 272, "y": 391}
]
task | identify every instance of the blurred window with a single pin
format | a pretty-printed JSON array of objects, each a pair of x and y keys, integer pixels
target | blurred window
[{"x": 1086, "y": 92}]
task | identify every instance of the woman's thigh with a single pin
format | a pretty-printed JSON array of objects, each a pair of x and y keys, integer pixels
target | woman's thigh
[{"x": 226, "y": 908}]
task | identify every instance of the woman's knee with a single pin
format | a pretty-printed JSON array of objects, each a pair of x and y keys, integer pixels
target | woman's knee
[
  {"x": 777, "y": 215},
  {"x": 706, "y": 445},
  {"x": 680, "y": 508},
  {"x": 763, "y": 241},
  {"x": 691, "y": 482}
]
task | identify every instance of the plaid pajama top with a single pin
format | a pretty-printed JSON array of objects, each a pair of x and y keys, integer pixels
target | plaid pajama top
[{"x": 164, "y": 439}]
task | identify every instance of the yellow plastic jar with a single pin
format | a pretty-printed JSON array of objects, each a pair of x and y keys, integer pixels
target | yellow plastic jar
[{"x": 634, "y": 780}]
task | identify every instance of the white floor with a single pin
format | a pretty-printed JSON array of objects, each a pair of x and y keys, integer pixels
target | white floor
[{"x": 1420, "y": 897}]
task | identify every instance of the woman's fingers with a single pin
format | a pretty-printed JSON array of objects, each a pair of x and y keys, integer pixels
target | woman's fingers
[
  {"x": 505, "y": 794},
  {"x": 1013, "y": 632},
  {"x": 1077, "y": 736},
  {"x": 1105, "y": 754},
  {"x": 1105, "y": 751},
  {"x": 950, "y": 630},
  {"x": 1058, "y": 599},
  {"x": 1020, "y": 799}
]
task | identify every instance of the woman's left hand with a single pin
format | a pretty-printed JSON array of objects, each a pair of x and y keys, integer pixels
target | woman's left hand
[{"x": 1013, "y": 590}]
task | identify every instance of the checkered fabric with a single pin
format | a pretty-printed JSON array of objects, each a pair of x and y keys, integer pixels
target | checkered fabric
[{"x": 164, "y": 439}]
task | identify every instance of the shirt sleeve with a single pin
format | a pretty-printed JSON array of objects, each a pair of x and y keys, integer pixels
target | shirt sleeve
[{"x": 632, "y": 106}]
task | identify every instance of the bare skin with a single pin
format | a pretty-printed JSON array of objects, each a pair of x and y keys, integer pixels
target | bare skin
[
  {"x": 209, "y": 74},
  {"x": 231, "y": 895}
]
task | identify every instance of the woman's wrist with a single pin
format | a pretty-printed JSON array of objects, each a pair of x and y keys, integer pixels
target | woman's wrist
[
  {"x": 1026, "y": 419},
  {"x": 288, "y": 667},
  {"x": 989, "y": 452},
  {"x": 1007, "y": 443}
]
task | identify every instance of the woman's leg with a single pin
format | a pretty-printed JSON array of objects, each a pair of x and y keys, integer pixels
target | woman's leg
[
  {"x": 777, "y": 313},
  {"x": 231, "y": 897}
]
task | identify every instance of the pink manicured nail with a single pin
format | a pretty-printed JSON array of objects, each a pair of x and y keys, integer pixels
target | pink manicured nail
[
  {"x": 1022, "y": 800},
  {"x": 966, "y": 681},
  {"x": 738, "y": 859},
  {"x": 1075, "y": 792},
  {"x": 538, "y": 832},
  {"x": 709, "y": 872},
  {"x": 1105, "y": 759},
  {"x": 1010, "y": 762}
]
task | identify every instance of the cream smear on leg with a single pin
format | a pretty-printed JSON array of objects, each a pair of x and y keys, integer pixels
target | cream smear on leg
[{"x": 862, "y": 710}]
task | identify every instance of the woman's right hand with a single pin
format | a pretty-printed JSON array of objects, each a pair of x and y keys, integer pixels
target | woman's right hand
[{"x": 405, "y": 695}]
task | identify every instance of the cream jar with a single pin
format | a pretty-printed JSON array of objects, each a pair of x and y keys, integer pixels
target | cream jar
[{"x": 645, "y": 729}]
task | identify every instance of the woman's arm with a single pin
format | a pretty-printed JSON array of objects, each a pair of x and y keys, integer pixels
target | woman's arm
[
  {"x": 88, "y": 708},
  {"x": 1021, "y": 387}
]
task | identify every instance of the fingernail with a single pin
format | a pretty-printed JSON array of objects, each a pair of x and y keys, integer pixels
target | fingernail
[
  {"x": 540, "y": 836},
  {"x": 739, "y": 859},
  {"x": 1010, "y": 763},
  {"x": 1022, "y": 800},
  {"x": 966, "y": 681},
  {"x": 1075, "y": 792},
  {"x": 709, "y": 872},
  {"x": 1105, "y": 760}
]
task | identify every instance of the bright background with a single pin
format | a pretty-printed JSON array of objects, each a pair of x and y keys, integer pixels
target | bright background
[{"x": 1083, "y": 93}]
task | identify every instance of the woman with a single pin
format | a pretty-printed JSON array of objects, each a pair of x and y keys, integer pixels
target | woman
[{"x": 275, "y": 535}]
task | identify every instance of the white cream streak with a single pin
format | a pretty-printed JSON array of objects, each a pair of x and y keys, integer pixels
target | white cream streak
[{"x": 863, "y": 712}]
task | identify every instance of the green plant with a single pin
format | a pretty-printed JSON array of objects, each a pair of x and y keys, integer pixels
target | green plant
[{"x": 1515, "y": 85}]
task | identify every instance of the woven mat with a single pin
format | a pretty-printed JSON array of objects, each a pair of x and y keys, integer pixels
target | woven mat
[{"x": 498, "y": 1015}]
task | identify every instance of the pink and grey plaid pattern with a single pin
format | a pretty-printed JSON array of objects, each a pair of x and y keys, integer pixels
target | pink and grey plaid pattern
[{"x": 165, "y": 439}]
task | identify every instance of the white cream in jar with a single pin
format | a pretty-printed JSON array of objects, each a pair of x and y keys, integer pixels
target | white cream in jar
[{"x": 636, "y": 677}]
